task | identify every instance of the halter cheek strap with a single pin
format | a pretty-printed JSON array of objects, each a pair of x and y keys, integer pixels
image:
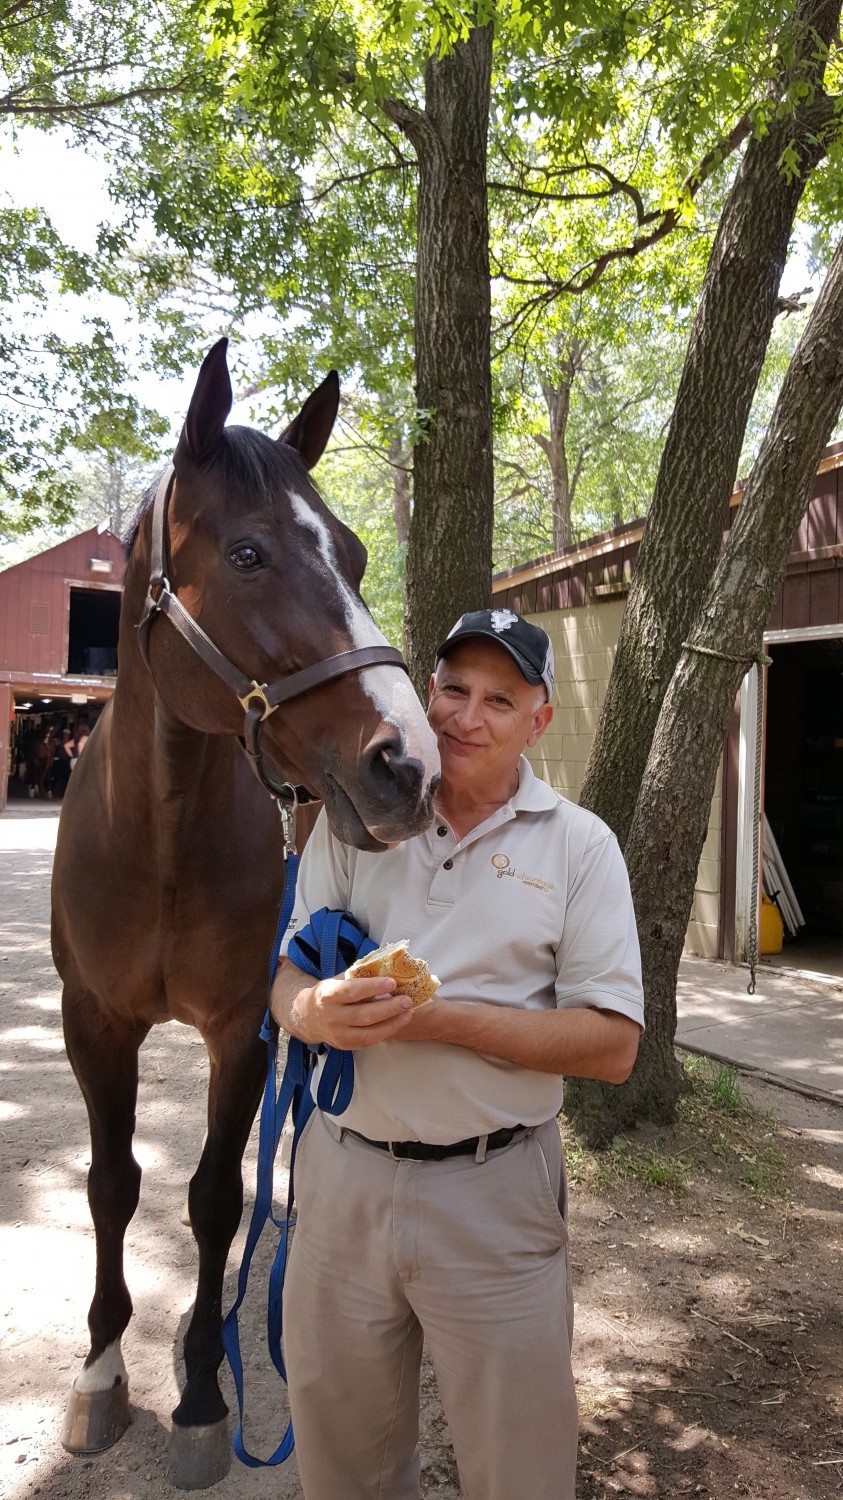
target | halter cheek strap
[{"x": 258, "y": 700}]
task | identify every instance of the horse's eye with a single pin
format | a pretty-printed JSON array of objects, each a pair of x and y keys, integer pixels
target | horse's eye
[{"x": 245, "y": 557}]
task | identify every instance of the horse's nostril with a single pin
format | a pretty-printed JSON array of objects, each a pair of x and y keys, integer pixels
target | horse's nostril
[{"x": 391, "y": 765}]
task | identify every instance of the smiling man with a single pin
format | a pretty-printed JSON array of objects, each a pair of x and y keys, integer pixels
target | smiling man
[{"x": 435, "y": 1206}]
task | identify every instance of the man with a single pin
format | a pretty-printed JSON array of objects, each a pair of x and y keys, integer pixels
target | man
[{"x": 435, "y": 1205}]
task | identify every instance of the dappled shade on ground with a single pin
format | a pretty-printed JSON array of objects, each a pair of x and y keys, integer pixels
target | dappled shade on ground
[{"x": 707, "y": 1266}]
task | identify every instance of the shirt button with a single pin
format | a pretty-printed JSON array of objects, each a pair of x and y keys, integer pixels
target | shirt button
[
  {"x": 441, "y": 832},
  {"x": 448, "y": 865}
]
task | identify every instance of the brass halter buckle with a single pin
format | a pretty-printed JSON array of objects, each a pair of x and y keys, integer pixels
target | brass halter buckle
[{"x": 256, "y": 698}]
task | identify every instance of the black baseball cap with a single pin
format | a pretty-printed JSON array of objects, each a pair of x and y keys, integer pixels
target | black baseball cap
[{"x": 527, "y": 644}]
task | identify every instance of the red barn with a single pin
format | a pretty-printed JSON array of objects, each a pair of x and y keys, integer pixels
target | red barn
[{"x": 59, "y": 615}]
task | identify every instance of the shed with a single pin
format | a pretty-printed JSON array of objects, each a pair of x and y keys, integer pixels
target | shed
[
  {"x": 59, "y": 617},
  {"x": 578, "y": 594}
]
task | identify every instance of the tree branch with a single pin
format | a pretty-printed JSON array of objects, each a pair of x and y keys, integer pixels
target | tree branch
[
  {"x": 415, "y": 123},
  {"x": 344, "y": 178},
  {"x": 58, "y": 109},
  {"x": 665, "y": 222},
  {"x": 544, "y": 197}
]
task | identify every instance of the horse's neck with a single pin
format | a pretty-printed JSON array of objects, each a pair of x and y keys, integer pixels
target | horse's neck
[{"x": 188, "y": 766}]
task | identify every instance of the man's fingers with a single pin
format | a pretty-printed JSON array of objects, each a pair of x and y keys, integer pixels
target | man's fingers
[
  {"x": 352, "y": 991},
  {"x": 356, "y": 1013},
  {"x": 367, "y": 1036},
  {"x": 372, "y": 1012}
]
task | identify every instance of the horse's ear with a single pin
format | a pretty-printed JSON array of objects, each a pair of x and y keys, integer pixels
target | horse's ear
[
  {"x": 308, "y": 433},
  {"x": 210, "y": 404}
]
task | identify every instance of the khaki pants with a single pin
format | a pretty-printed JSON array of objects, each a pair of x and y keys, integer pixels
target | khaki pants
[{"x": 472, "y": 1256}]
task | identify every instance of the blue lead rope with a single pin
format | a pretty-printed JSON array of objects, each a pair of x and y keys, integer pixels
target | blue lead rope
[{"x": 316, "y": 950}]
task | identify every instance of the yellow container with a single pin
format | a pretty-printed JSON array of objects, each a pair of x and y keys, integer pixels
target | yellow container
[{"x": 772, "y": 927}]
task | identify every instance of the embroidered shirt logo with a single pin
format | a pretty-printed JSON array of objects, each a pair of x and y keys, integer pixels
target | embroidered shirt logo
[
  {"x": 502, "y": 866},
  {"x": 503, "y": 619}
]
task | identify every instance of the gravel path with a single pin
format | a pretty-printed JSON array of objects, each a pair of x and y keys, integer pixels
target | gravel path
[{"x": 707, "y": 1342}]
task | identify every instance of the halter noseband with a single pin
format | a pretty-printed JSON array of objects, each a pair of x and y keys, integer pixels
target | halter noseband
[{"x": 258, "y": 700}]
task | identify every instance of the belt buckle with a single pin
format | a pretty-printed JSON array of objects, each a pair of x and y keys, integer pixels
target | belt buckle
[{"x": 415, "y": 1151}]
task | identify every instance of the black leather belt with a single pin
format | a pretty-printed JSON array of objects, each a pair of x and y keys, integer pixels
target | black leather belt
[{"x": 420, "y": 1151}]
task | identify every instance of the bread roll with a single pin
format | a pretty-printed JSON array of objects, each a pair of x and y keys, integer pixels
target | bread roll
[{"x": 412, "y": 976}]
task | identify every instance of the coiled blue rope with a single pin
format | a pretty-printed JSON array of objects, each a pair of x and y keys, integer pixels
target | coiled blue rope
[{"x": 329, "y": 943}]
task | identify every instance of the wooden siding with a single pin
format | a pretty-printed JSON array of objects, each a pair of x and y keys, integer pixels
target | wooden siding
[{"x": 35, "y": 600}]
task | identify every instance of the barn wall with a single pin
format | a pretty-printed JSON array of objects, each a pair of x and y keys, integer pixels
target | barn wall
[
  {"x": 703, "y": 935},
  {"x": 584, "y": 642},
  {"x": 35, "y": 599},
  {"x": 6, "y": 717}
]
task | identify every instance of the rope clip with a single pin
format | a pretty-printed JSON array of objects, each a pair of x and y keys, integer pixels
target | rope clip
[{"x": 288, "y": 807}]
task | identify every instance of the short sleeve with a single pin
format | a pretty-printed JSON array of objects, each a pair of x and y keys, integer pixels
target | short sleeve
[
  {"x": 323, "y": 879},
  {"x": 598, "y": 962}
]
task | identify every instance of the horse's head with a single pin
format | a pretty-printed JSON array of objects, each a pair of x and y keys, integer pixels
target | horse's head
[{"x": 273, "y": 578}]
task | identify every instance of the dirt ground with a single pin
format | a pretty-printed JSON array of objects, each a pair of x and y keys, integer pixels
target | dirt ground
[{"x": 707, "y": 1266}]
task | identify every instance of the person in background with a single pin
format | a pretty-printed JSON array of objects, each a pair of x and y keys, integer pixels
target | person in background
[
  {"x": 80, "y": 740},
  {"x": 62, "y": 763}
]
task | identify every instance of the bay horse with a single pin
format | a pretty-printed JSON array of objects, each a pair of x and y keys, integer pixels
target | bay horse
[
  {"x": 169, "y": 866},
  {"x": 38, "y": 757}
]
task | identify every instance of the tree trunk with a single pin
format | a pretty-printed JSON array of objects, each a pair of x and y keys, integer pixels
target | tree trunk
[
  {"x": 699, "y": 465},
  {"x": 399, "y": 458},
  {"x": 115, "y": 484},
  {"x": 449, "y": 557},
  {"x": 671, "y": 816},
  {"x": 557, "y": 397}
]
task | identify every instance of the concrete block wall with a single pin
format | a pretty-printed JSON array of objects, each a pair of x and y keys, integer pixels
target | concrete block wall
[{"x": 584, "y": 642}]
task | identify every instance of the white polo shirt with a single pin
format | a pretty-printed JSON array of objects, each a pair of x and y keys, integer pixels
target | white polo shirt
[{"x": 532, "y": 909}]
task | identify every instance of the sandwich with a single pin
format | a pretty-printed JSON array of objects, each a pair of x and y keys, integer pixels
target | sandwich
[{"x": 412, "y": 976}]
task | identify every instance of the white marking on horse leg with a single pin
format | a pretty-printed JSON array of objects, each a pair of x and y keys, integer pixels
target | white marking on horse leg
[{"x": 106, "y": 1371}]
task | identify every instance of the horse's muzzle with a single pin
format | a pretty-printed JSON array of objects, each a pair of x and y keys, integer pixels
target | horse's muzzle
[{"x": 391, "y": 801}]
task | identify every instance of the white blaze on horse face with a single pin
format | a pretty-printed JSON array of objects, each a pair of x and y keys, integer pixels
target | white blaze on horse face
[
  {"x": 105, "y": 1373},
  {"x": 388, "y": 688},
  {"x": 394, "y": 697}
]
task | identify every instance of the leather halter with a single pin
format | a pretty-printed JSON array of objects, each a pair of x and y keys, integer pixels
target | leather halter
[{"x": 258, "y": 700}]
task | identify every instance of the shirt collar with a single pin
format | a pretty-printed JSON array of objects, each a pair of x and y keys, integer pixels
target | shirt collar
[{"x": 532, "y": 795}]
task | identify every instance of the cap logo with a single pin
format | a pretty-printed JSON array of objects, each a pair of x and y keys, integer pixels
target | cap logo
[{"x": 502, "y": 619}]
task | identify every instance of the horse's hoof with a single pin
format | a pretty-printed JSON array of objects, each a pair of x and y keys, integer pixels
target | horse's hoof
[
  {"x": 94, "y": 1420},
  {"x": 199, "y": 1456}
]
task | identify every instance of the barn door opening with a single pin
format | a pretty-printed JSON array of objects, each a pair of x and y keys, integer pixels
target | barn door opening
[
  {"x": 803, "y": 791},
  {"x": 92, "y": 635}
]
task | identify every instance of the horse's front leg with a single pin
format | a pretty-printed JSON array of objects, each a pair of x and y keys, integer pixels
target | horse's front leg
[
  {"x": 200, "y": 1448},
  {"x": 104, "y": 1057}
]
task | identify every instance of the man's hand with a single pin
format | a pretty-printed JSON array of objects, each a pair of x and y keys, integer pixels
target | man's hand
[{"x": 344, "y": 1013}]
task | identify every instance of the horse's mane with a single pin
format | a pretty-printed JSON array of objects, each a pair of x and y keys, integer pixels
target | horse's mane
[{"x": 249, "y": 460}]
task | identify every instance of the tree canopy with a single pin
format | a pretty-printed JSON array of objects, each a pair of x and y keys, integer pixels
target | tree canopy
[
  {"x": 263, "y": 181},
  {"x": 90, "y": 73}
]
